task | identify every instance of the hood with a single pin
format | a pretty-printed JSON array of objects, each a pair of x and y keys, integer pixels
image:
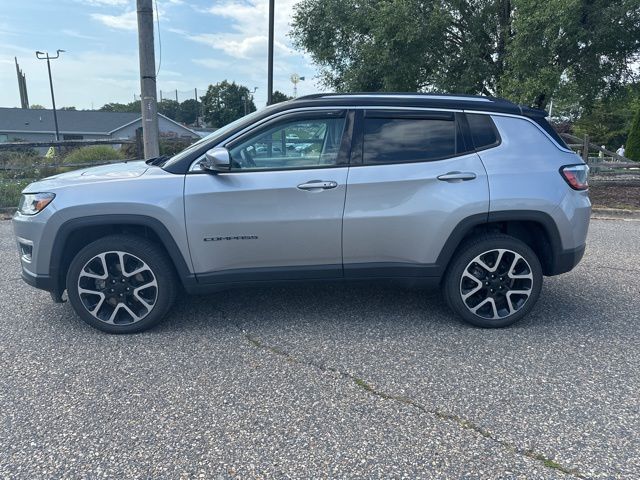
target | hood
[{"x": 116, "y": 171}]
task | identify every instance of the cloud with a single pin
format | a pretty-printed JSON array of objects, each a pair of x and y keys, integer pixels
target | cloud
[
  {"x": 248, "y": 21},
  {"x": 107, "y": 3},
  {"x": 125, "y": 21},
  {"x": 75, "y": 34},
  {"x": 210, "y": 63},
  {"x": 243, "y": 47},
  {"x": 239, "y": 46}
]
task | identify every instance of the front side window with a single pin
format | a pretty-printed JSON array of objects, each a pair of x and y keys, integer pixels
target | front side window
[
  {"x": 402, "y": 140},
  {"x": 301, "y": 143}
]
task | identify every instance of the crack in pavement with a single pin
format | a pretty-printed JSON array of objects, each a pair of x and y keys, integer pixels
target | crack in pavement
[{"x": 451, "y": 417}]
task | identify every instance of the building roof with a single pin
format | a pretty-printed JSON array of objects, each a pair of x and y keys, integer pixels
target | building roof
[
  {"x": 69, "y": 121},
  {"x": 83, "y": 122}
]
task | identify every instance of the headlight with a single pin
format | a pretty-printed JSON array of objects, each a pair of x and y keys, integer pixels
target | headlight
[{"x": 32, "y": 203}]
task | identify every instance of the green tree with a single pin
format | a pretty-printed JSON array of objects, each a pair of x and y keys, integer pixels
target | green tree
[
  {"x": 278, "y": 97},
  {"x": 633, "y": 140},
  {"x": 36, "y": 106},
  {"x": 69, "y": 108},
  {"x": 526, "y": 50},
  {"x": 225, "y": 102},
  {"x": 169, "y": 108},
  {"x": 609, "y": 121},
  {"x": 189, "y": 111},
  {"x": 122, "y": 107}
]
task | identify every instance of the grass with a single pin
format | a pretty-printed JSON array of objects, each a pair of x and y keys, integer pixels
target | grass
[
  {"x": 22, "y": 168},
  {"x": 10, "y": 191},
  {"x": 93, "y": 154}
]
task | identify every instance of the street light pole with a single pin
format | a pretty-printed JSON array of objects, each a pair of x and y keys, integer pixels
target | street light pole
[
  {"x": 45, "y": 56},
  {"x": 270, "y": 54}
]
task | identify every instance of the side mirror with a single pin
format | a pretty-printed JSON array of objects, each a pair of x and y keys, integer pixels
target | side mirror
[{"x": 216, "y": 160}]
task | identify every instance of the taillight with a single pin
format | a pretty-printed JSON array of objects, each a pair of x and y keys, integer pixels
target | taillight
[{"x": 577, "y": 176}]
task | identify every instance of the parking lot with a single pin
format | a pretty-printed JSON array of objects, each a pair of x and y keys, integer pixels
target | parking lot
[{"x": 330, "y": 381}]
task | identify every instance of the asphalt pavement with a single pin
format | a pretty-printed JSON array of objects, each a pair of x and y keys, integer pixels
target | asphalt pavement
[{"x": 331, "y": 381}]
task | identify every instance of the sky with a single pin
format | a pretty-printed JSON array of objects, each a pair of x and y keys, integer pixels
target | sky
[{"x": 203, "y": 42}]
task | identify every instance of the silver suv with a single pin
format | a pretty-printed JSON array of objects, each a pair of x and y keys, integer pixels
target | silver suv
[{"x": 475, "y": 194}]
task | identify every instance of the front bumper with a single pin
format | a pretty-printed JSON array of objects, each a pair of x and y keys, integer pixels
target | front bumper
[
  {"x": 44, "y": 282},
  {"x": 33, "y": 247}
]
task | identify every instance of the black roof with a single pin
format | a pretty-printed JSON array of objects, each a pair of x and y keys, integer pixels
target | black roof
[{"x": 425, "y": 100}]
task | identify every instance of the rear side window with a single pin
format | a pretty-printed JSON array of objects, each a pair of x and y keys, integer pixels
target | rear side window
[
  {"x": 550, "y": 130},
  {"x": 483, "y": 131},
  {"x": 402, "y": 140}
]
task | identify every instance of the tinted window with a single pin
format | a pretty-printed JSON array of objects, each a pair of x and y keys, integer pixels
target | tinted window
[
  {"x": 546, "y": 126},
  {"x": 397, "y": 140},
  {"x": 483, "y": 132},
  {"x": 304, "y": 143}
]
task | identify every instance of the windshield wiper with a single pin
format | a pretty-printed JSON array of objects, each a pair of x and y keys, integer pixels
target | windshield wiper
[{"x": 158, "y": 161}]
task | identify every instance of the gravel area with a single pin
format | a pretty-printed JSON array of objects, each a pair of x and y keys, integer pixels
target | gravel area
[{"x": 338, "y": 381}]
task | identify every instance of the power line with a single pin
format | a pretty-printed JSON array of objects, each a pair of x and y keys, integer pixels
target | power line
[{"x": 159, "y": 38}]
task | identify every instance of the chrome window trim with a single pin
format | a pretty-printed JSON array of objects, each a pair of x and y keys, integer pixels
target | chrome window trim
[{"x": 195, "y": 164}]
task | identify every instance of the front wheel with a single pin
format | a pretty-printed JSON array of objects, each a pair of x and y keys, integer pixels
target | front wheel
[
  {"x": 121, "y": 284},
  {"x": 494, "y": 281}
]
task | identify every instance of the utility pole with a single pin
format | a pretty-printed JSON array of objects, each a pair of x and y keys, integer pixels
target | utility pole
[
  {"x": 148, "y": 98},
  {"x": 270, "y": 54},
  {"x": 198, "y": 108},
  {"x": 45, "y": 56}
]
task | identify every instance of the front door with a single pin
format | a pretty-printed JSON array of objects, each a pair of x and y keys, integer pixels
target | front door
[{"x": 277, "y": 215}]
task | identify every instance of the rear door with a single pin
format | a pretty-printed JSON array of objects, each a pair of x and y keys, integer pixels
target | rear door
[
  {"x": 413, "y": 179},
  {"x": 278, "y": 213}
]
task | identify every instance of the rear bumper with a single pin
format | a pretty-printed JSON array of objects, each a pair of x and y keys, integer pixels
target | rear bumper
[{"x": 566, "y": 260}]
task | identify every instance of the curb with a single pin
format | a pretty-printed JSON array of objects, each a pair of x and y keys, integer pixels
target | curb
[
  {"x": 614, "y": 214},
  {"x": 7, "y": 213}
]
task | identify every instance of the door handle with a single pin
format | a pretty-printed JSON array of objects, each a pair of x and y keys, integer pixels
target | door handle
[
  {"x": 457, "y": 176},
  {"x": 318, "y": 185}
]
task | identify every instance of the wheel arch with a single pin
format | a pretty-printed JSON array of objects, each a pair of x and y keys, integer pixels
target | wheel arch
[
  {"x": 76, "y": 233},
  {"x": 537, "y": 229}
]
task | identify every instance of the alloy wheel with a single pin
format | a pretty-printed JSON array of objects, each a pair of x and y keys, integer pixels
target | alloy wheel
[
  {"x": 496, "y": 284},
  {"x": 117, "y": 288}
]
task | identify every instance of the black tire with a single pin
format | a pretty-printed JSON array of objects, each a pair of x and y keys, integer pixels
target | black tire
[
  {"x": 502, "y": 289},
  {"x": 138, "y": 253}
]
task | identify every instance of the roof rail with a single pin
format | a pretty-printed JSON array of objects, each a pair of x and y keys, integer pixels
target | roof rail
[
  {"x": 426, "y": 95},
  {"x": 313, "y": 95}
]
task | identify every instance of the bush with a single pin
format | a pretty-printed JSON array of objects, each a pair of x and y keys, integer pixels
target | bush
[
  {"x": 633, "y": 140},
  {"x": 94, "y": 154},
  {"x": 171, "y": 146},
  {"x": 10, "y": 192},
  {"x": 17, "y": 159}
]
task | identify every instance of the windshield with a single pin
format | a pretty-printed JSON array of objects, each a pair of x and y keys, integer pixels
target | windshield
[{"x": 213, "y": 137}]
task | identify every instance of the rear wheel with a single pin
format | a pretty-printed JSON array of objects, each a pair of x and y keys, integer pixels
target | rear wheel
[
  {"x": 121, "y": 284},
  {"x": 494, "y": 281}
]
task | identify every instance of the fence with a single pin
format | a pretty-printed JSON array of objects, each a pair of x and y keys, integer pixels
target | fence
[{"x": 604, "y": 160}]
